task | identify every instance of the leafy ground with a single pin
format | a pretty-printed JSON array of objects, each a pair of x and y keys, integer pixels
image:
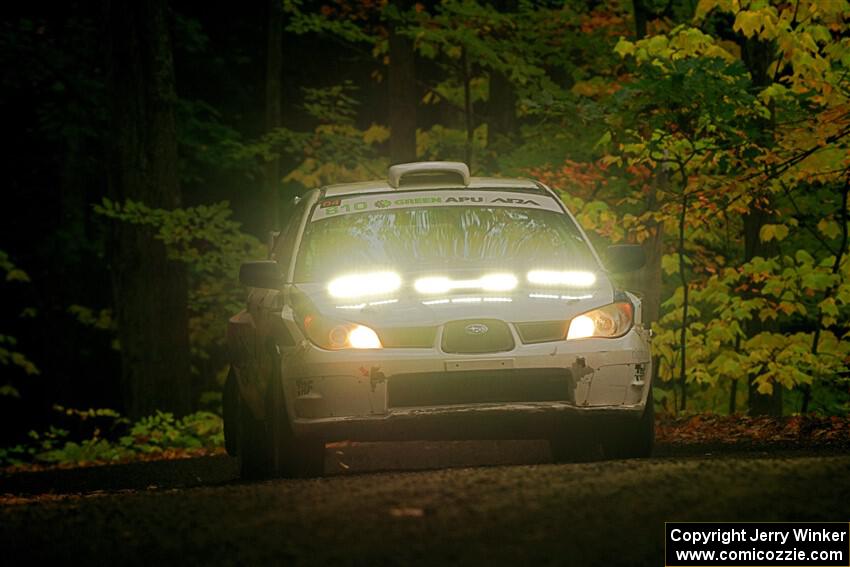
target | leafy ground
[{"x": 806, "y": 431}]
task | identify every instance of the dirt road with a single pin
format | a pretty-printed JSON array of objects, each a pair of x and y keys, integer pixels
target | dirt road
[{"x": 525, "y": 512}]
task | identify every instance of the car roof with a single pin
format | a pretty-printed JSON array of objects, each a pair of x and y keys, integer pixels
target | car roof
[{"x": 378, "y": 186}]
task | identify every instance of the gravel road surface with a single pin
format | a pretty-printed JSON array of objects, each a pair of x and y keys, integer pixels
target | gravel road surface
[{"x": 498, "y": 502}]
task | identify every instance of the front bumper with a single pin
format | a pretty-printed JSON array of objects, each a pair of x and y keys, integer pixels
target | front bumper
[
  {"x": 339, "y": 395},
  {"x": 503, "y": 421}
]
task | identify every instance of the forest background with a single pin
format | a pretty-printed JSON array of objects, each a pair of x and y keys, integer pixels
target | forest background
[{"x": 153, "y": 146}]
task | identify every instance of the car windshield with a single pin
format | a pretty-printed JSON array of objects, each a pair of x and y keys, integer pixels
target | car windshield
[{"x": 417, "y": 240}]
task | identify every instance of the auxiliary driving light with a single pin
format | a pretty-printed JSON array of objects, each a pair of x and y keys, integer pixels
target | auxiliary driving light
[
  {"x": 567, "y": 278},
  {"x": 489, "y": 282},
  {"x": 360, "y": 285}
]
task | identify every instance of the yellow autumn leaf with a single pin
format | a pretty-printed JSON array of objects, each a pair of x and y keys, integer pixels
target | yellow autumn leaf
[
  {"x": 773, "y": 231},
  {"x": 624, "y": 47},
  {"x": 748, "y": 23},
  {"x": 376, "y": 134},
  {"x": 829, "y": 228},
  {"x": 765, "y": 387}
]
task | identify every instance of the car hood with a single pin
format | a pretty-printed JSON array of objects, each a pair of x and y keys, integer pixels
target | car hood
[{"x": 409, "y": 309}]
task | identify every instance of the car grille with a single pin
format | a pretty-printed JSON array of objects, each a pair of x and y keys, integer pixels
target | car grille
[
  {"x": 460, "y": 337},
  {"x": 480, "y": 387},
  {"x": 542, "y": 332},
  {"x": 407, "y": 337}
]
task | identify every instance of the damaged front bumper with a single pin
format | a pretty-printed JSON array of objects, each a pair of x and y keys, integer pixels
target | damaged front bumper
[
  {"x": 527, "y": 393},
  {"x": 479, "y": 421}
]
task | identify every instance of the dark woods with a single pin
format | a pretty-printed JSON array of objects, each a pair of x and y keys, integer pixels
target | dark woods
[{"x": 153, "y": 144}]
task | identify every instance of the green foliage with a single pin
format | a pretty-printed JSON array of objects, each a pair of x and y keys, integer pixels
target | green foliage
[
  {"x": 155, "y": 435},
  {"x": 101, "y": 320},
  {"x": 162, "y": 431},
  {"x": 724, "y": 148},
  {"x": 9, "y": 353},
  {"x": 335, "y": 151},
  {"x": 212, "y": 245},
  {"x": 725, "y": 111},
  {"x": 208, "y": 144}
]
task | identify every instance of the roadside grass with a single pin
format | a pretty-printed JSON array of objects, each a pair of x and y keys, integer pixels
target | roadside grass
[{"x": 103, "y": 436}]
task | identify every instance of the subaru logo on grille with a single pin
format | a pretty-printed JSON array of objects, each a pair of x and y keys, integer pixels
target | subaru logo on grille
[{"x": 476, "y": 329}]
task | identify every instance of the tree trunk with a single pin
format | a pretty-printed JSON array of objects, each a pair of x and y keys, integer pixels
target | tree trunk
[
  {"x": 648, "y": 280},
  {"x": 733, "y": 386},
  {"x": 466, "y": 77},
  {"x": 403, "y": 98},
  {"x": 150, "y": 291},
  {"x": 274, "y": 67},
  {"x": 836, "y": 267},
  {"x": 758, "y": 403},
  {"x": 757, "y": 56},
  {"x": 640, "y": 18},
  {"x": 502, "y": 110},
  {"x": 501, "y": 106},
  {"x": 683, "y": 337}
]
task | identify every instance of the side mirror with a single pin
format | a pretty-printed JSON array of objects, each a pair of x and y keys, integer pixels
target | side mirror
[
  {"x": 265, "y": 274},
  {"x": 626, "y": 257}
]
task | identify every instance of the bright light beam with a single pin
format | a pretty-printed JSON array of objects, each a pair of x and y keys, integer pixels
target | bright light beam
[
  {"x": 489, "y": 282},
  {"x": 360, "y": 285},
  {"x": 567, "y": 278}
]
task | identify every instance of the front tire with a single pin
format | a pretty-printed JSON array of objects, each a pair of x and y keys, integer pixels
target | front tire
[
  {"x": 254, "y": 456},
  {"x": 245, "y": 436}
]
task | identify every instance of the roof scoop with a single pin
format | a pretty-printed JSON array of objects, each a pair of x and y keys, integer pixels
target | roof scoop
[{"x": 427, "y": 172}]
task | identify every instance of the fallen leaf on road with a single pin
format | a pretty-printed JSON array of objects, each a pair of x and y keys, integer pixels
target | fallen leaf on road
[{"x": 407, "y": 512}]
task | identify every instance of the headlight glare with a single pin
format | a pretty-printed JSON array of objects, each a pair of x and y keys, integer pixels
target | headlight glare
[
  {"x": 607, "y": 322},
  {"x": 432, "y": 285},
  {"x": 363, "y": 337},
  {"x": 441, "y": 284},
  {"x": 581, "y": 327},
  {"x": 338, "y": 335},
  {"x": 570, "y": 278},
  {"x": 360, "y": 285},
  {"x": 498, "y": 282}
]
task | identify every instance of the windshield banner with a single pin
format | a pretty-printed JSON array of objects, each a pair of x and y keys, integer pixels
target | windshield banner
[{"x": 339, "y": 206}]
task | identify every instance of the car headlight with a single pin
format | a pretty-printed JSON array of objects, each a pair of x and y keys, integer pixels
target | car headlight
[
  {"x": 337, "y": 335},
  {"x": 608, "y": 322}
]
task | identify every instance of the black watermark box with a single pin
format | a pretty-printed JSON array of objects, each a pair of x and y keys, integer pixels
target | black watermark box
[{"x": 743, "y": 544}]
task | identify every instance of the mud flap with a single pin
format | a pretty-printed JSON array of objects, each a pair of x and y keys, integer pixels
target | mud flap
[{"x": 291, "y": 456}]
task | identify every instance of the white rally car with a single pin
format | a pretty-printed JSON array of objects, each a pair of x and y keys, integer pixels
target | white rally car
[{"x": 435, "y": 305}]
